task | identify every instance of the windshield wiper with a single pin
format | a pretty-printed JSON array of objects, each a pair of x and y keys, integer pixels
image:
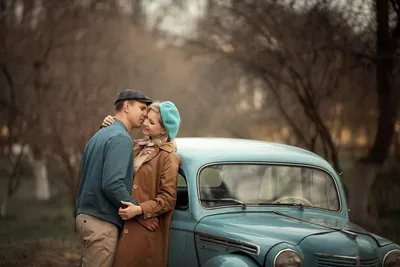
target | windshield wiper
[
  {"x": 352, "y": 234},
  {"x": 299, "y": 205},
  {"x": 244, "y": 205}
]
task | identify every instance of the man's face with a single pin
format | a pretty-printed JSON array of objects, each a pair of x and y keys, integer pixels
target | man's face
[{"x": 136, "y": 113}]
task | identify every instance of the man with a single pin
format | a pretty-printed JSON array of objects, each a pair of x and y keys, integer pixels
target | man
[{"x": 106, "y": 181}]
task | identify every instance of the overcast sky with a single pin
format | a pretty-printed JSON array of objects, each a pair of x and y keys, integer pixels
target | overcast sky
[{"x": 182, "y": 21}]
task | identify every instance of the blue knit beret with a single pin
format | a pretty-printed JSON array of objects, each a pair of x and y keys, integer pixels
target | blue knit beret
[{"x": 170, "y": 117}]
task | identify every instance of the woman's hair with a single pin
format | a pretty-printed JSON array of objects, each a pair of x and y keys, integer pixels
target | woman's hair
[{"x": 155, "y": 106}]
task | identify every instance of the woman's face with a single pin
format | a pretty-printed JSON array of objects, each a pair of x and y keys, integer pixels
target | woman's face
[{"x": 152, "y": 126}]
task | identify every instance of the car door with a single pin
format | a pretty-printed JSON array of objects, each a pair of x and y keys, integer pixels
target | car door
[{"x": 181, "y": 235}]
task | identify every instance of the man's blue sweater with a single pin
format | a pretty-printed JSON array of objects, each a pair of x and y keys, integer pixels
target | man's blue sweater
[{"x": 107, "y": 174}]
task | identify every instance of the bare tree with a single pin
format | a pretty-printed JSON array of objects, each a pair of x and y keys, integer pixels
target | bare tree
[
  {"x": 293, "y": 53},
  {"x": 312, "y": 56},
  {"x": 387, "y": 34}
]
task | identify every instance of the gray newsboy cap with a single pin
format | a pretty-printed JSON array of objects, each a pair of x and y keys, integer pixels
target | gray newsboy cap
[{"x": 131, "y": 94}]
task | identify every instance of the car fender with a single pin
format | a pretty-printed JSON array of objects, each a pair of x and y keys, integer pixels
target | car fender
[{"x": 230, "y": 260}]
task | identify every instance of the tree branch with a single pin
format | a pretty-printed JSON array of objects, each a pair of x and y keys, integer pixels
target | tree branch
[{"x": 395, "y": 7}]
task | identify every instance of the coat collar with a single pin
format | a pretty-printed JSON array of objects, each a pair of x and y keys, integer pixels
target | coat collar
[
  {"x": 142, "y": 143},
  {"x": 155, "y": 149},
  {"x": 169, "y": 147}
]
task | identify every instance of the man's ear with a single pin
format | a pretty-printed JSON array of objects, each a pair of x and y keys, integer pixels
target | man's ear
[{"x": 126, "y": 106}]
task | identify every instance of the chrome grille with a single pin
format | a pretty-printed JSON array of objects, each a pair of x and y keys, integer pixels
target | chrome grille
[
  {"x": 227, "y": 242},
  {"x": 326, "y": 260},
  {"x": 369, "y": 262}
]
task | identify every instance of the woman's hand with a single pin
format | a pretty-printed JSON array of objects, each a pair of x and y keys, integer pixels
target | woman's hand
[
  {"x": 129, "y": 211},
  {"x": 150, "y": 224},
  {"x": 108, "y": 121}
]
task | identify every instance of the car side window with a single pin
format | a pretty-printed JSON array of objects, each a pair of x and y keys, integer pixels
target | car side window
[
  {"x": 211, "y": 177},
  {"x": 182, "y": 195}
]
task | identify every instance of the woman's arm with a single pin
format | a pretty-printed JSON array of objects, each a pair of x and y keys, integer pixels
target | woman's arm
[
  {"x": 107, "y": 121},
  {"x": 166, "y": 195}
]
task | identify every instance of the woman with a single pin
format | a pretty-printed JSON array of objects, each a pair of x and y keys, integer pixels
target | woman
[{"x": 156, "y": 167}]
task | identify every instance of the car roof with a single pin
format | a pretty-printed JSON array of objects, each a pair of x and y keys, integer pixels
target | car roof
[{"x": 203, "y": 150}]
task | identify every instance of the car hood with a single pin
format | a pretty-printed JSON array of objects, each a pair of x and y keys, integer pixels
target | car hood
[
  {"x": 339, "y": 224},
  {"x": 259, "y": 227},
  {"x": 257, "y": 232}
]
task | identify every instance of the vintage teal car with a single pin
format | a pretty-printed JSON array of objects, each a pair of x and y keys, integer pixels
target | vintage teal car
[{"x": 253, "y": 203}]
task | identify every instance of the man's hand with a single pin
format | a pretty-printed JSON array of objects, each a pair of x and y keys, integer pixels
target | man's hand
[
  {"x": 150, "y": 224},
  {"x": 129, "y": 211}
]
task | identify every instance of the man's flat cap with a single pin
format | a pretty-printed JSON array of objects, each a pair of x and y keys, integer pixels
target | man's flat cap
[{"x": 131, "y": 94}]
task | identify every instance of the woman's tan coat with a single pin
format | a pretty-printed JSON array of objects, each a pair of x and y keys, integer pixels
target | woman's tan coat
[{"x": 154, "y": 188}]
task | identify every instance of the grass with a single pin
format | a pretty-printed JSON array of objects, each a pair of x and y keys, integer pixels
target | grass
[{"x": 38, "y": 233}]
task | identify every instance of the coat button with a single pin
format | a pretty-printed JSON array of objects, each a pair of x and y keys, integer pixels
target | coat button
[
  {"x": 134, "y": 186},
  {"x": 126, "y": 231},
  {"x": 148, "y": 215}
]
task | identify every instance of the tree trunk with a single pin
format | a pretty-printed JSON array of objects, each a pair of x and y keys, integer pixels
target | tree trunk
[
  {"x": 138, "y": 15},
  {"x": 42, "y": 191},
  {"x": 42, "y": 181},
  {"x": 385, "y": 51},
  {"x": 209, "y": 8},
  {"x": 13, "y": 181},
  {"x": 3, "y": 10},
  {"x": 4, "y": 205},
  {"x": 359, "y": 183},
  {"x": 363, "y": 176}
]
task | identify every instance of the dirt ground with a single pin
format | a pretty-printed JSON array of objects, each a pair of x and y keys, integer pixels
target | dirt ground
[{"x": 38, "y": 233}]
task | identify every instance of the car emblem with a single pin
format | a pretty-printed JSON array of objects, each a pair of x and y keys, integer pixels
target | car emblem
[{"x": 358, "y": 264}]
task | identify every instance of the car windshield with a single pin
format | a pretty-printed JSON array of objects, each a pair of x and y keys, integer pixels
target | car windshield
[{"x": 257, "y": 184}]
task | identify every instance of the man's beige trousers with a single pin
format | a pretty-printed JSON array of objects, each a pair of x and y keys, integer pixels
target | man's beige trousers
[{"x": 100, "y": 240}]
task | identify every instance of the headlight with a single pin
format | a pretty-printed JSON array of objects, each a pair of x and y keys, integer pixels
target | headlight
[
  {"x": 392, "y": 259},
  {"x": 287, "y": 258}
]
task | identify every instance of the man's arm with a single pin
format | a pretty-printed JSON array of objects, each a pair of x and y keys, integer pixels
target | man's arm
[{"x": 116, "y": 164}]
